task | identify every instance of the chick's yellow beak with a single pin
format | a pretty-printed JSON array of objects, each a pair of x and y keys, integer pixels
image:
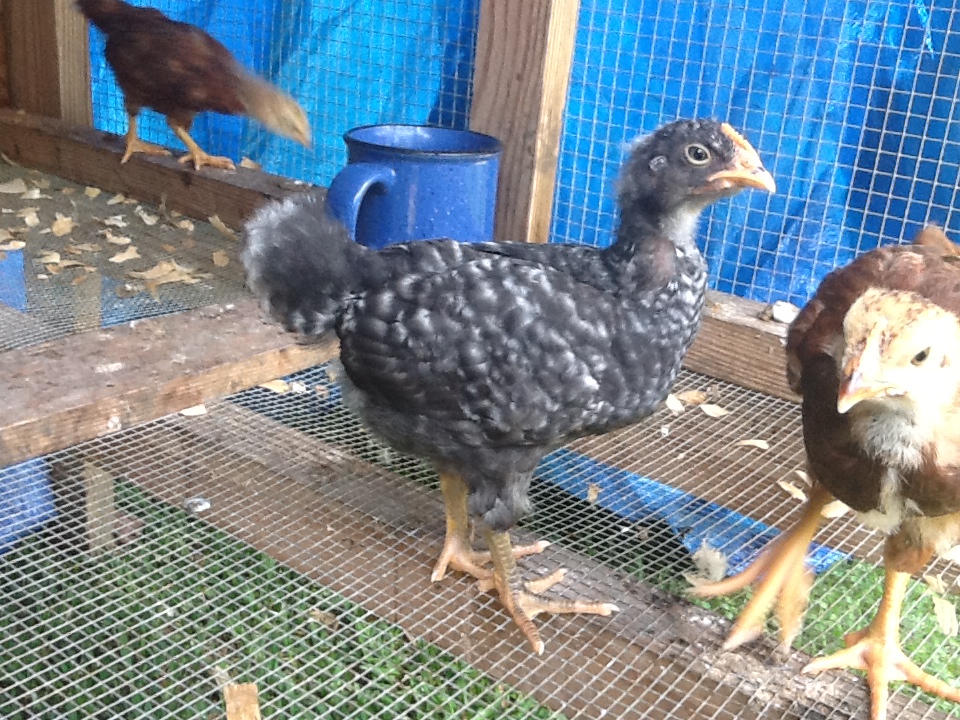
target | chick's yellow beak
[
  {"x": 747, "y": 170},
  {"x": 861, "y": 375}
]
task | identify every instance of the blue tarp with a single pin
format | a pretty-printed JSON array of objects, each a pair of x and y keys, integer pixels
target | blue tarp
[{"x": 852, "y": 104}]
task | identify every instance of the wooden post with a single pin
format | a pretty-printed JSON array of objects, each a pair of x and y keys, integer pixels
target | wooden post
[
  {"x": 524, "y": 55},
  {"x": 48, "y": 59},
  {"x": 4, "y": 69}
]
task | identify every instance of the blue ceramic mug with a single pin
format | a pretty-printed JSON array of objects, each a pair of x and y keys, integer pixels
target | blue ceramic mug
[{"x": 412, "y": 182}]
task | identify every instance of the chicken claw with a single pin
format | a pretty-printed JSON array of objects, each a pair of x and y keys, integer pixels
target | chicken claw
[
  {"x": 876, "y": 650},
  {"x": 135, "y": 145},
  {"x": 458, "y": 552},
  {"x": 520, "y": 598},
  {"x": 780, "y": 578},
  {"x": 197, "y": 155}
]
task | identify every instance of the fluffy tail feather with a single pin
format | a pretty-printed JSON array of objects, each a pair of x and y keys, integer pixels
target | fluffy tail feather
[
  {"x": 273, "y": 107},
  {"x": 301, "y": 263}
]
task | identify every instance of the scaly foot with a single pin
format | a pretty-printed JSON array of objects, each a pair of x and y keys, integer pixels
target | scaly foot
[
  {"x": 458, "y": 555},
  {"x": 781, "y": 579},
  {"x": 136, "y": 145},
  {"x": 520, "y": 598},
  {"x": 201, "y": 159}
]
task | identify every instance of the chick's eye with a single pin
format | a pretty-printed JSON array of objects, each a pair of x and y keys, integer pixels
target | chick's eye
[
  {"x": 697, "y": 154},
  {"x": 920, "y": 357}
]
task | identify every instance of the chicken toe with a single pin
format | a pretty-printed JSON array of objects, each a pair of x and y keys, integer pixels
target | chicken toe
[
  {"x": 521, "y": 598},
  {"x": 458, "y": 552},
  {"x": 876, "y": 651},
  {"x": 197, "y": 155},
  {"x": 134, "y": 144},
  {"x": 780, "y": 577}
]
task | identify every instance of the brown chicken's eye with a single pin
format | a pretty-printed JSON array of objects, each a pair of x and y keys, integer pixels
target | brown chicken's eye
[
  {"x": 697, "y": 154},
  {"x": 919, "y": 358}
]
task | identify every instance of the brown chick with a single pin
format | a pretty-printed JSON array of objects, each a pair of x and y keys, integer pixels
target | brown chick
[
  {"x": 876, "y": 357},
  {"x": 179, "y": 70}
]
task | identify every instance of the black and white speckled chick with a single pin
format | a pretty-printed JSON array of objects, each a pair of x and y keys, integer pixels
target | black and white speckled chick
[{"x": 484, "y": 357}]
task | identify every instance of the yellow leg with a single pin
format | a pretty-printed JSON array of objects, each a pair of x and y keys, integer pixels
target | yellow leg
[
  {"x": 781, "y": 578},
  {"x": 458, "y": 552},
  {"x": 876, "y": 650},
  {"x": 520, "y": 598},
  {"x": 197, "y": 155},
  {"x": 135, "y": 144}
]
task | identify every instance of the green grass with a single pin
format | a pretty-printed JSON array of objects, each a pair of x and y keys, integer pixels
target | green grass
[{"x": 144, "y": 633}]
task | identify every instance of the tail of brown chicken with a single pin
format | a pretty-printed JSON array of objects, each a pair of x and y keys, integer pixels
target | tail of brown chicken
[
  {"x": 933, "y": 236},
  {"x": 273, "y": 107}
]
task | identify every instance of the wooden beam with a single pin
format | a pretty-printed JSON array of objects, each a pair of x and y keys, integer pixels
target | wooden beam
[
  {"x": 94, "y": 383},
  {"x": 521, "y": 76},
  {"x": 736, "y": 345},
  {"x": 48, "y": 45},
  {"x": 92, "y": 158}
]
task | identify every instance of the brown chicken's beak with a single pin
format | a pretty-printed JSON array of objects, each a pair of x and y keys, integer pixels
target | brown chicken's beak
[
  {"x": 860, "y": 375},
  {"x": 748, "y": 170}
]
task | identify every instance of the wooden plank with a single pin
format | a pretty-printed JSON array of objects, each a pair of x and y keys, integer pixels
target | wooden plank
[
  {"x": 47, "y": 44},
  {"x": 91, "y": 384},
  {"x": 91, "y": 157},
  {"x": 372, "y": 536},
  {"x": 735, "y": 345},
  {"x": 521, "y": 76},
  {"x": 242, "y": 702}
]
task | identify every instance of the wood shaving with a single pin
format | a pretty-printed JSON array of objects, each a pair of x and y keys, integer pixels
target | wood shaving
[
  {"x": 92, "y": 192},
  {"x": 194, "y": 411},
  {"x": 49, "y": 257},
  {"x": 8, "y": 161},
  {"x": 115, "y": 239},
  {"x": 79, "y": 279},
  {"x": 13, "y": 245},
  {"x": 68, "y": 191},
  {"x": 673, "y": 404},
  {"x": 714, "y": 411},
  {"x": 34, "y": 194},
  {"x": 692, "y": 397},
  {"x": 325, "y": 618},
  {"x": 278, "y": 386},
  {"x": 41, "y": 183},
  {"x": 792, "y": 490},
  {"x": 42, "y": 276},
  {"x": 946, "y": 613},
  {"x": 116, "y": 199},
  {"x": 759, "y": 444},
  {"x": 593, "y": 492},
  {"x": 84, "y": 247},
  {"x": 298, "y": 387},
  {"x": 246, "y": 162},
  {"x": 115, "y": 221},
  {"x": 5, "y": 235},
  {"x": 784, "y": 312},
  {"x": 834, "y": 509},
  {"x": 129, "y": 254},
  {"x": 935, "y": 583},
  {"x": 711, "y": 563},
  {"x": 167, "y": 247},
  {"x": 221, "y": 259},
  {"x": 147, "y": 218},
  {"x": 13, "y": 187},
  {"x": 29, "y": 215},
  {"x": 166, "y": 272},
  {"x": 221, "y": 226},
  {"x": 63, "y": 225},
  {"x": 185, "y": 225},
  {"x": 696, "y": 580},
  {"x": 803, "y": 475}
]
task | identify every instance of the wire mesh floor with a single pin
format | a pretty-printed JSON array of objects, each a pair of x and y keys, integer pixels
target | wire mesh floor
[{"x": 270, "y": 540}]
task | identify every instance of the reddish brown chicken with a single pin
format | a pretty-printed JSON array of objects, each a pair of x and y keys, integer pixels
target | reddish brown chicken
[
  {"x": 876, "y": 357},
  {"x": 179, "y": 70}
]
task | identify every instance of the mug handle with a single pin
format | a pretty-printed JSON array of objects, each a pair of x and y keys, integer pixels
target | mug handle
[{"x": 350, "y": 185}]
